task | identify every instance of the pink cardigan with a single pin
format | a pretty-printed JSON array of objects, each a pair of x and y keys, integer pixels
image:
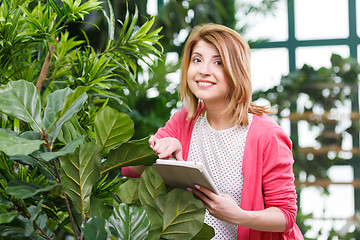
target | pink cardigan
[{"x": 267, "y": 170}]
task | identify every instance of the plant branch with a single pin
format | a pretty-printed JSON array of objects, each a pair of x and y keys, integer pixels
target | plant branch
[
  {"x": 21, "y": 209},
  {"x": 42, "y": 231},
  {"x": 45, "y": 67},
  {"x": 81, "y": 233}
]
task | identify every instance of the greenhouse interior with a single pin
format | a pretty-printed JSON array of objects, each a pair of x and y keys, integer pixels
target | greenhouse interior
[{"x": 84, "y": 84}]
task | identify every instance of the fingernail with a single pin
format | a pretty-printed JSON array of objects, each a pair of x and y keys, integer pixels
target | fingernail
[
  {"x": 197, "y": 186},
  {"x": 189, "y": 189}
]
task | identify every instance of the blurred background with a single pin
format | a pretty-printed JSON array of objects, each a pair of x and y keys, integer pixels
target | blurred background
[{"x": 304, "y": 61}]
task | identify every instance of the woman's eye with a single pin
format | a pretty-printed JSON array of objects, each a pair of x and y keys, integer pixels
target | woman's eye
[
  {"x": 196, "y": 60},
  {"x": 219, "y": 62}
]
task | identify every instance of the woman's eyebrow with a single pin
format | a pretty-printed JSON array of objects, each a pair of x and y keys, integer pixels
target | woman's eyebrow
[
  {"x": 196, "y": 53},
  {"x": 199, "y": 54}
]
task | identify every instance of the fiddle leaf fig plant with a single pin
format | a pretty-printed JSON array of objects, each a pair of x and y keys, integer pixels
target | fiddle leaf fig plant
[
  {"x": 63, "y": 147},
  {"x": 80, "y": 164}
]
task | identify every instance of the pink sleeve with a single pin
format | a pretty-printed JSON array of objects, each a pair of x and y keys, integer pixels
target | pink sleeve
[
  {"x": 128, "y": 172},
  {"x": 173, "y": 126},
  {"x": 278, "y": 177}
]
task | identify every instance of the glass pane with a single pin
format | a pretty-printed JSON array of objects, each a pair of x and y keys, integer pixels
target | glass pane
[
  {"x": 319, "y": 56},
  {"x": 313, "y": 200},
  {"x": 267, "y": 67},
  {"x": 152, "y": 7},
  {"x": 273, "y": 26},
  {"x": 320, "y": 19}
]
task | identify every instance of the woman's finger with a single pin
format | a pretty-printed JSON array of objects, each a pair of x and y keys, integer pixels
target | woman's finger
[
  {"x": 152, "y": 141},
  {"x": 178, "y": 156},
  {"x": 210, "y": 194}
]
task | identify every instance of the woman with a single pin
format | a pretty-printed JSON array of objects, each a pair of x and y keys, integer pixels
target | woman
[{"x": 246, "y": 153}]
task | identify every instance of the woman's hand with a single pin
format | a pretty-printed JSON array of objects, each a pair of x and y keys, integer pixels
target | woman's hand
[
  {"x": 165, "y": 147},
  {"x": 223, "y": 207}
]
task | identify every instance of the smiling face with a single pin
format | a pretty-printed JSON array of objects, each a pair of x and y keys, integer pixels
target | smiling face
[
  {"x": 228, "y": 84},
  {"x": 206, "y": 74}
]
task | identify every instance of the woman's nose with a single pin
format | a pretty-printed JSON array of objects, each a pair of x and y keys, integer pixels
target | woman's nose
[{"x": 205, "y": 69}]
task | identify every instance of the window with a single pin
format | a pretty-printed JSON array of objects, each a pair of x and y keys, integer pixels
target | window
[{"x": 314, "y": 29}]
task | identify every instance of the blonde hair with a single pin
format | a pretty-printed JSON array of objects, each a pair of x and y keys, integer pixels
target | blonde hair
[{"x": 235, "y": 55}]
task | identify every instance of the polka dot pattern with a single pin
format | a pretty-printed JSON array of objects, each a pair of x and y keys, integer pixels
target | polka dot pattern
[{"x": 221, "y": 152}]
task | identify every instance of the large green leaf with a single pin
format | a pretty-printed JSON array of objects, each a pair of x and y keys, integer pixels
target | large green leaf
[
  {"x": 13, "y": 145},
  {"x": 70, "y": 131},
  {"x": 73, "y": 103},
  {"x": 132, "y": 153},
  {"x": 128, "y": 191},
  {"x": 129, "y": 222},
  {"x": 156, "y": 222},
  {"x": 21, "y": 189},
  {"x": 79, "y": 171},
  {"x": 31, "y": 135},
  {"x": 55, "y": 103},
  {"x": 112, "y": 129},
  {"x": 98, "y": 208},
  {"x": 21, "y": 100},
  {"x": 207, "y": 232},
  {"x": 151, "y": 186},
  {"x": 94, "y": 229},
  {"x": 182, "y": 214}
]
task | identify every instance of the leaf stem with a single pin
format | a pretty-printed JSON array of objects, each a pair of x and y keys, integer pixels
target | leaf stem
[{"x": 42, "y": 231}]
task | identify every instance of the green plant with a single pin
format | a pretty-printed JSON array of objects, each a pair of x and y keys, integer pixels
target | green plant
[
  {"x": 62, "y": 147},
  {"x": 81, "y": 167},
  {"x": 84, "y": 162}
]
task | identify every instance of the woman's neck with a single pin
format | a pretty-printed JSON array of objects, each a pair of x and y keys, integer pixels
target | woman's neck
[{"x": 217, "y": 118}]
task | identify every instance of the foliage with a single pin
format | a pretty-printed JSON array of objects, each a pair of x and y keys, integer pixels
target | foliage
[
  {"x": 63, "y": 146},
  {"x": 175, "y": 214},
  {"x": 176, "y": 17}
]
